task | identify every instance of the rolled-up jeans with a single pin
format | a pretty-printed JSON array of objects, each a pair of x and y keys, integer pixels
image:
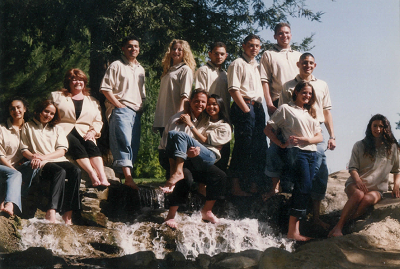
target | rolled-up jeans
[
  {"x": 124, "y": 137},
  {"x": 320, "y": 180},
  {"x": 179, "y": 142},
  {"x": 12, "y": 179}
]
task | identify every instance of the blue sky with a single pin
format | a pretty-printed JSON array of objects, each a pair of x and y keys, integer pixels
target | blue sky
[{"x": 357, "y": 54}]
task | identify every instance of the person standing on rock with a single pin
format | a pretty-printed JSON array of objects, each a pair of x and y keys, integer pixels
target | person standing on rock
[
  {"x": 123, "y": 86},
  {"x": 323, "y": 106},
  {"x": 212, "y": 78},
  {"x": 372, "y": 159},
  {"x": 248, "y": 118}
]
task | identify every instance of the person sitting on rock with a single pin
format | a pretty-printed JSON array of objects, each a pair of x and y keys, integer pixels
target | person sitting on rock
[{"x": 372, "y": 159}]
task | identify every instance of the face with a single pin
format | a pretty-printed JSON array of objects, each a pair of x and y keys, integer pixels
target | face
[
  {"x": 306, "y": 66},
  {"x": 177, "y": 53},
  {"x": 212, "y": 108},
  {"x": 76, "y": 85},
  {"x": 377, "y": 128},
  {"x": 283, "y": 37},
  {"x": 17, "y": 110},
  {"x": 218, "y": 56},
  {"x": 131, "y": 50},
  {"x": 198, "y": 103},
  {"x": 47, "y": 114},
  {"x": 304, "y": 96},
  {"x": 252, "y": 48}
]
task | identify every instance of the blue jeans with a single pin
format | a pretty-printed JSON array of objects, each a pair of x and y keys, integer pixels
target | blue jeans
[
  {"x": 124, "y": 137},
  {"x": 320, "y": 180},
  {"x": 179, "y": 142},
  {"x": 13, "y": 181},
  {"x": 249, "y": 153},
  {"x": 302, "y": 165}
]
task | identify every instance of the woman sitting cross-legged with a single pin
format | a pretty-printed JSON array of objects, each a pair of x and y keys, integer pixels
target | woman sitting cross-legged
[
  {"x": 372, "y": 159},
  {"x": 44, "y": 143}
]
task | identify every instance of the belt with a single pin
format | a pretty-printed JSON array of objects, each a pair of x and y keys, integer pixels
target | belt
[{"x": 249, "y": 101}]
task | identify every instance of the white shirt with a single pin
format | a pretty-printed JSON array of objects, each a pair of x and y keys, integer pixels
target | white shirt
[{"x": 9, "y": 143}]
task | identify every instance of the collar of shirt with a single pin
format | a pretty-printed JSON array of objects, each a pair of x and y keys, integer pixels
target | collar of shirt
[
  {"x": 298, "y": 78},
  {"x": 247, "y": 59},
  {"x": 292, "y": 104},
  {"x": 125, "y": 60},
  {"x": 176, "y": 67},
  {"x": 38, "y": 123},
  {"x": 213, "y": 67},
  {"x": 279, "y": 49},
  {"x": 10, "y": 126}
]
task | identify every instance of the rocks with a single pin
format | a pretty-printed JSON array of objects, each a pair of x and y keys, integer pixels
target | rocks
[{"x": 9, "y": 234}]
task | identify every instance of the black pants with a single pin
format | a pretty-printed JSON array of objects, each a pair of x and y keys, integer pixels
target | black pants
[
  {"x": 79, "y": 148},
  {"x": 65, "y": 180}
]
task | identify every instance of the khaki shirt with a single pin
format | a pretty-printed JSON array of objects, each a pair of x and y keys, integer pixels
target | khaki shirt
[
  {"x": 278, "y": 66},
  {"x": 374, "y": 173},
  {"x": 177, "y": 83},
  {"x": 126, "y": 81},
  {"x": 215, "y": 81},
  {"x": 244, "y": 76},
  {"x": 296, "y": 121},
  {"x": 323, "y": 99},
  {"x": 90, "y": 118},
  {"x": 9, "y": 143},
  {"x": 43, "y": 140}
]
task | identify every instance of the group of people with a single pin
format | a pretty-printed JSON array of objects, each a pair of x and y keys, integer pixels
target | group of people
[{"x": 196, "y": 127}]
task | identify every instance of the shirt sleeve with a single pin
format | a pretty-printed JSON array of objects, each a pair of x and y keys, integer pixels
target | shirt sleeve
[
  {"x": 61, "y": 142},
  {"x": 286, "y": 95},
  {"x": 200, "y": 79},
  {"x": 234, "y": 76},
  {"x": 109, "y": 79},
  {"x": 396, "y": 164},
  {"x": 354, "y": 163},
  {"x": 265, "y": 68},
  {"x": 2, "y": 150},
  {"x": 326, "y": 103},
  {"x": 142, "y": 85},
  {"x": 220, "y": 135},
  {"x": 186, "y": 80},
  {"x": 97, "y": 123},
  {"x": 25, "y": 142},
  {"x": 278, "y": 118}
]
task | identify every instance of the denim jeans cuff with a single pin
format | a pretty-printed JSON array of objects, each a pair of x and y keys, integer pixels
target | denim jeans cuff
[
  {"x": 122, "y": 163},
  {"x": 180, "y": 154},
  {"x": 298, "y": 213},
  {"x": 272, "y": 174}
]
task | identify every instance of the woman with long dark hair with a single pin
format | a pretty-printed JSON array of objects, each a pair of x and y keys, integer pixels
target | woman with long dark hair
[{"x": 372, "y": 159}]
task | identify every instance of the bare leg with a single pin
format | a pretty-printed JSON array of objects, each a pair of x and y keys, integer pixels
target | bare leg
[
  {"x": 97, "y": 164},
  {"x": 274, "y": 189},
  {"x": 67, "y": 217},
  {"x": 128, "y": 178},
  {"x": 369, "y": 199},
  {"x": 316, "y": 210},
  {"x": 236, "y": 190},
  {"x": 206, "y": 212},
  {"x": 51, "y": 215},
  {"x": 8, "y": 208},
  {"x": 355, "y": 197},
  {"x": 87, "y": 166},
  {"x": 176, "y": 167},
  {"x": 294, "y": 230},
  {"x": 170, "y": 220}
]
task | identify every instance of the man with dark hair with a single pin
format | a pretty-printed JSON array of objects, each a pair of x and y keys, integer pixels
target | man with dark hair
[
  {"x": 323, "y": 106},
  {"x": 248, "y": 117},
  {"x": 123, "y": 86},
  {"x": 212, "y": 78}
]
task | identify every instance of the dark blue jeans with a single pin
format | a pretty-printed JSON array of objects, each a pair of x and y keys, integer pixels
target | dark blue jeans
[
  {"x": 249, "y": 153},
  {"x": 302, "y": 165}
]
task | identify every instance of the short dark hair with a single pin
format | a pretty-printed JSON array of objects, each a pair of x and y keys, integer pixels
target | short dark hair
[
  {"x": 127, "y": 39},
  {"x": 41, "y": 106},
  {"x": 216, "y": 44},
  {"x": 250, "y": 37},
  {"x": 280, "y": 25},
  {"x": 23, "y": 101},
  {"x": 305, "y": 55},
  {"x": 197, "y": 91}
]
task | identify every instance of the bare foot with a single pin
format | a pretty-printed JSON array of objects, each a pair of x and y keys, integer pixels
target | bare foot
[
  {"x": 167, "y": 189},
  {"x": 104, "y": 183},
  {"x": 130, "y": 183},
  {"x": 175, "y": 178},
  {"x": 9, "y": 208},
  {"x": 95, "y": 180},
  {"x": 67, "y": 217},
  {"x": 268, "y": 195},
  {"x": 171, "y": 223},
  {"x": 324, "y": 225},
  {"x": 335, "y": 232},
  {"x": 208, "y": 216},
  {"x": 298, "y": 237},
  {"x": 51, "y": 215}
]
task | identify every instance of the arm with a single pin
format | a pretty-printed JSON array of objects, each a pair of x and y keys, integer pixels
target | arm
[
  {"x": 182, "y": 104},
  {"x": 396, "y": 191},
  {"x": 237, "y": 97},
  {"x": 270, "y": 132},
  {"x": 297, "y": 140},
  {"x": 110, "y": 97},
  {"x": 268, "y": 99},
  {"x": 358, "y": 181},
  {"x": 185, "y": 118},
  {"x": 329, "y": 126}
]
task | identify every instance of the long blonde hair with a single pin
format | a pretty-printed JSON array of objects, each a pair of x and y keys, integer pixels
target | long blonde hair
[{"x": 187, "y": 56}]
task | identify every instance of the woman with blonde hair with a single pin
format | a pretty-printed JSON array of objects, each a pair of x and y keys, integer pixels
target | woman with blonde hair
[
  {"x": 81, "y": 120},
  {"x": 176, "y": 82}
]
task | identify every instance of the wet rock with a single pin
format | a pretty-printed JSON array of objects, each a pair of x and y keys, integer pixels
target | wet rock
[
  {"x": 175, "y": 259},
  {"x": 203, "y": 261},
  {"x": 9, "y": 234},
  {"x": 275, "y": 258},
  {"x": 235, "y": 261},
  {"x": 31, "y": 258}
]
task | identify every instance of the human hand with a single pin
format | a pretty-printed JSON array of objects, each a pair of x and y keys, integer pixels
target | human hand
[
  {"x": 185, "y": 118},
  {"x": 331, "y": 144},
  {"x": 298, "y": 140},
  {"x": 361, "y": 186},
  {"x": 36, "y": 163},
  {"x": 90, "y": 135},
  {"x": 396, "y": 192},
  {"x": 193, "y": 152}
]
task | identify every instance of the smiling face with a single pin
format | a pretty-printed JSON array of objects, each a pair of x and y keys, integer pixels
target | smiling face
[
  {"x": 47, "y": 114},
  {"x": 131, "y": 50},
  {"x": 377, "y": 128},
  {"x": 218, "y": 56},
  {"x": 283, "y": 37},
  {"x": 306, "y": 66},
  {"x": 17, "y": 110},
  {"x": 251, "y": 48},
  {"x": 212, "y": 109},
  {"x": 198, "y": 103},
  {"x": 304, "y": 96},
  {"x": 76, "y": 85},
  {"x": 177, "y": 53}
]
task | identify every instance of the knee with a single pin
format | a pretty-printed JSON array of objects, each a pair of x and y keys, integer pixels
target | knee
[
  {"x": 368, "y": 200},
  {"x": 358, "y": 195}
]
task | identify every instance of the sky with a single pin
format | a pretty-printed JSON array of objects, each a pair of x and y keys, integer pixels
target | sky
[{"x": 358, "y": 54}]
